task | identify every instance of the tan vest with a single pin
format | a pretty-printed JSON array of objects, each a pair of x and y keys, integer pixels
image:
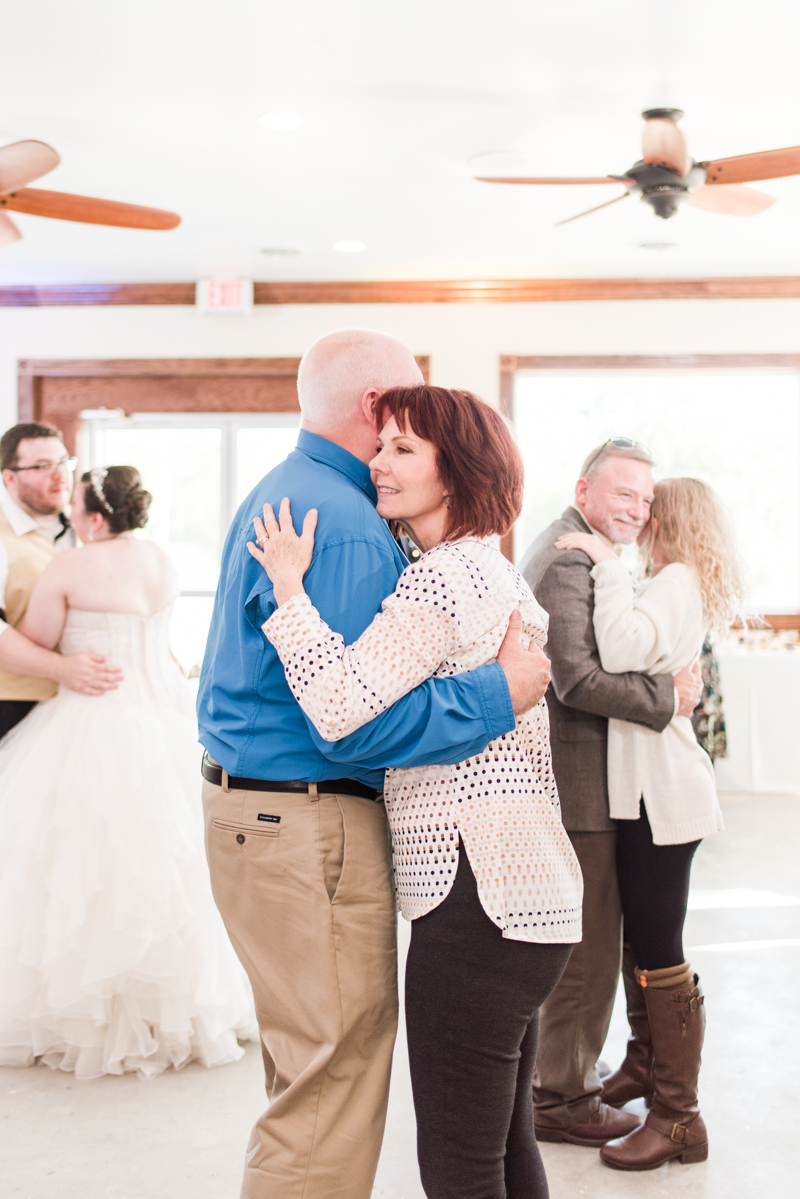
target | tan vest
[{"x": 28, "y": 555}]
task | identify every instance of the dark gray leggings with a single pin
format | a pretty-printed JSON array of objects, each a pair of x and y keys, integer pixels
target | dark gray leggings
[{"x": 472, "y": 1013}]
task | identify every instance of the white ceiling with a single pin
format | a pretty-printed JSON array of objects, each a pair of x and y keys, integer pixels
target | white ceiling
[{"x": 157, "y": 103}]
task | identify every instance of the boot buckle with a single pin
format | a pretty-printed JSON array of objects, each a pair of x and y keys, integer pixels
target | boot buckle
[{"x": 678, "y": 1133}]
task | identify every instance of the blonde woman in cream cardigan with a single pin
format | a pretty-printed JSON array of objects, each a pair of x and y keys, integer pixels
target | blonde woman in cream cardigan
[{"x": 662, "y": 792}]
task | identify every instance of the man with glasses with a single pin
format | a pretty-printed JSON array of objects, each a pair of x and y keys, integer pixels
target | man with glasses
[
  {"x": 37, "y": 486},
  {"x": 612, "y": 499}
]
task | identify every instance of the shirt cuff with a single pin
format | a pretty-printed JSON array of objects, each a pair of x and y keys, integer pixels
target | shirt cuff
[
  {"x": 495, "y": 700},
  {"x": 677, "y": 702}
]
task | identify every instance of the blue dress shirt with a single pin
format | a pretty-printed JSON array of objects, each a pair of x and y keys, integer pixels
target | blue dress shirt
[{"x": 249, "y": 719}]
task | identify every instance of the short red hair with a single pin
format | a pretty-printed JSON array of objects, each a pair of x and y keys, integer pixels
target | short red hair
[{"x": 476, "y": 456}]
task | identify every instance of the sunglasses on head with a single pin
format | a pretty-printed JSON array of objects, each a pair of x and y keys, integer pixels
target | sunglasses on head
[{"x": 621, "y": 443}]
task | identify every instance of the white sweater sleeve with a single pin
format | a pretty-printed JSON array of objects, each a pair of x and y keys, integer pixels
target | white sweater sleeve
[
  {"x": 634, "y": 633},
  {"x": 339, "y": 687}
]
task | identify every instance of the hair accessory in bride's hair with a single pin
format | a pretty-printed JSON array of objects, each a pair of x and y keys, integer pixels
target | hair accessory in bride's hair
[{"x": 97, "y": 477}]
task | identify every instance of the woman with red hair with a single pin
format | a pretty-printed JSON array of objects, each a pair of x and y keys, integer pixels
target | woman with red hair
[{"x": 483, "y": 866}]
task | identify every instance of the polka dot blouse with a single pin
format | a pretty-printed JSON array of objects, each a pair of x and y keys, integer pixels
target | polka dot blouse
[{"x": 448, "y": 614}]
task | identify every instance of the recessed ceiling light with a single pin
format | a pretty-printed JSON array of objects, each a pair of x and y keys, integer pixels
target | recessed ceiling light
[
  {"x": 349, "y": 247},
  {"x": 280, "y": 120},
  {"x": 282, "y": 251}
]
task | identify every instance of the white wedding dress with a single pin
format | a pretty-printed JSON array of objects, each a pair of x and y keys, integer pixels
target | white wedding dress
[{"x": 113, "y": 956}]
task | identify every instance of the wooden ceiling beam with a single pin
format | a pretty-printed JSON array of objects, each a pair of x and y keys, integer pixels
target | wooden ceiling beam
[{"x": 419, "y": 291}]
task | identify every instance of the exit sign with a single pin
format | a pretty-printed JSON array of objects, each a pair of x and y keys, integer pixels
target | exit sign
[{"x": 225, "y": 296}]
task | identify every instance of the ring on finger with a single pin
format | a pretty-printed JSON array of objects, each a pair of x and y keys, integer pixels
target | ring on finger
[{"x": 262, "y": 541}]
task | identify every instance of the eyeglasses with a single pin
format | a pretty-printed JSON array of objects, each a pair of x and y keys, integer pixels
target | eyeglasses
[
  {"x": 48, "y": 468},
  {"x": 621, "y": 443}
]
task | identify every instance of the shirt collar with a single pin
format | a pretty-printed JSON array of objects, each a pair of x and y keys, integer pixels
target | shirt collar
[
  {"x": 21, "y": 522},
  {"x": 327, "y": 452}
]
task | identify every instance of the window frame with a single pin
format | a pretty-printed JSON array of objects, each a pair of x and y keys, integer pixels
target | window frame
[{"x": 95, "y": 421}]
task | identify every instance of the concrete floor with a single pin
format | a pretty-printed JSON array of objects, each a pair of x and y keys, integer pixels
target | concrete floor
[{"x": 182, "y": 1136}]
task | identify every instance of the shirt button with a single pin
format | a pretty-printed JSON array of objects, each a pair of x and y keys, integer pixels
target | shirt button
[{"x": 240, "y": 838}]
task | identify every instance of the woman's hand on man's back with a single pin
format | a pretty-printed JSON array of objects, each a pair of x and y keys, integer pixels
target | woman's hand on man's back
[{"x": 284, "y": 556}]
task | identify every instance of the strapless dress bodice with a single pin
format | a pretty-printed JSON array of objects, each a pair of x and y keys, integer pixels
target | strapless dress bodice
[{"x": 137, "y": 644}]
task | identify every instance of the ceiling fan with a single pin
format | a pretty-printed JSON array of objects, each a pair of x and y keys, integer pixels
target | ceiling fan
[
  {"x": 22, "y": 162},
  {"x": 666, "y": 176}
]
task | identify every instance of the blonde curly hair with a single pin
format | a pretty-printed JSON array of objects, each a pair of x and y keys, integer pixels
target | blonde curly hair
[{"x": 693, "y": 528}]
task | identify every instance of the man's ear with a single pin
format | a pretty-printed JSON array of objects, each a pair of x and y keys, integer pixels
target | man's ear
[
  {"x": 368, "y": 401},
  {"x": 581, "y": 488}
]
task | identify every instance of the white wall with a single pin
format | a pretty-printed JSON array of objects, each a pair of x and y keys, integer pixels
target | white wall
[{"x": 465, "y": 341}]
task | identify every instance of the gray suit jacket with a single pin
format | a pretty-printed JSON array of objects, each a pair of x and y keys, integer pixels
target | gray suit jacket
[{"x": 582, "y": 695}]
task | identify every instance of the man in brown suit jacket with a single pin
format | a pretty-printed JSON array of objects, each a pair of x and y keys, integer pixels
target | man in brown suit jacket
[{"x": 612, "y": 499}]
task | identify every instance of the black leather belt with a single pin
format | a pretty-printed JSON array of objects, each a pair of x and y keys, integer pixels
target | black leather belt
[{"x": 213, "y": 772}]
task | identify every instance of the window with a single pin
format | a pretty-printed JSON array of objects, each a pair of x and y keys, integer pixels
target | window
[
  {"x": 199, "y": 468},
  {"x": 738, "y": 431}
]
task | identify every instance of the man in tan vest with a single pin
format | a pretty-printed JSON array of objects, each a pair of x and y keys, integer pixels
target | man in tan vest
[{"x": 37, "y": 486}]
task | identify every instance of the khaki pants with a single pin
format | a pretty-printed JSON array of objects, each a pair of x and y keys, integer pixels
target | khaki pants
[
  {"x": 308, "y": 902},
  {"x": 575, "y": 1018}
]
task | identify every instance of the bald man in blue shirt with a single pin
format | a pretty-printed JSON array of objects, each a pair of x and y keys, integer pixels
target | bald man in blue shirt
[{"x": 296, "y": 832}]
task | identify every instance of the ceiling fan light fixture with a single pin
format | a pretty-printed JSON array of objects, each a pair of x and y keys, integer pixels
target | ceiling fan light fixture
[
  {"x": 349, "y": 247},
  {"x": 664, "y": 199},
  {"x": 282, "y": 121}
]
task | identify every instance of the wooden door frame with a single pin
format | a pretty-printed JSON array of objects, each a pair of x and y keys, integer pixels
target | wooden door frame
[{"x": 31, "y": 372}]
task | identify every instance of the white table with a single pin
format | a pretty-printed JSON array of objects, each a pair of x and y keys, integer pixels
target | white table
[{"x": 761, "y": 702}]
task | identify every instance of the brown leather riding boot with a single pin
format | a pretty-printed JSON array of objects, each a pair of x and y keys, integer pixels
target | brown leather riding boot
[
  {"x": 674, "y": 1127},
  {"x": 634, "y": 1078}
]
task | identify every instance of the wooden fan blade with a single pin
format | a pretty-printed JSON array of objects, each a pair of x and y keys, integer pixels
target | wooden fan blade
[
  {"x": 88, "y": 210},
  {"x": 22, "y": 162},
  {"x": 664, "y": 144},
  {"x": 746, "y": 168},
  {"x": 731, "y": 199},
  {"x": 8, "y": 231},
  {"x": 558, "y": 180},
  {"x": 597, "y": 208}
]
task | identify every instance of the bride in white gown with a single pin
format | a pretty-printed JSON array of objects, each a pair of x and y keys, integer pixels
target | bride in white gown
[{"x": 112, "y": 954}]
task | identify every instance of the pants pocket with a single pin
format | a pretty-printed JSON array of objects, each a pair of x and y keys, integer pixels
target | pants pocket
[{"x": 241, "y": 833}]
